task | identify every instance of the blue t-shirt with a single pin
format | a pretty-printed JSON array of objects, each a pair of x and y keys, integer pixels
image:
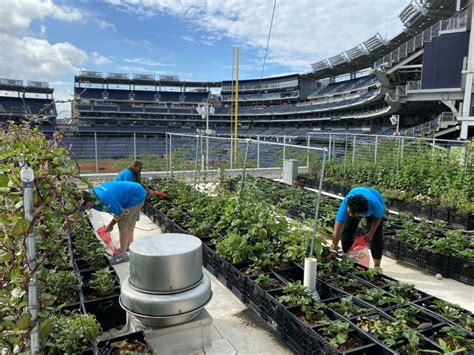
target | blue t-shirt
[
  {"x": 115, "y": 196},
  {"x": 376, "y": 204},
  {"x": 124, "y": 175}
]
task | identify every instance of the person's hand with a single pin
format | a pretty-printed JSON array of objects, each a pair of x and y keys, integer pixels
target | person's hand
[
  {"x": 368, "y": 237},
  {"x": 65, "y": 225},
  {"x": 109, "y": 228}
]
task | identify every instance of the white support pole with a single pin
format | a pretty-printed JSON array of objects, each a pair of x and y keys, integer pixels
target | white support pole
[
  {"x": 284, "y": 149},
  {"x": 96, "y": 154},
  {"x": 27, "y": 179},
  {"x": 329, "y": 147},
  {"x": 196, "y": 161}
]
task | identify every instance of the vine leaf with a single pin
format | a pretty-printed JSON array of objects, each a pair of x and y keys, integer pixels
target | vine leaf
[{"x": 21, "y": 227}]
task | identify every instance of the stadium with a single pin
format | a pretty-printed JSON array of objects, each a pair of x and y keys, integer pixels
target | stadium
[{"x": 251, "y": 174}]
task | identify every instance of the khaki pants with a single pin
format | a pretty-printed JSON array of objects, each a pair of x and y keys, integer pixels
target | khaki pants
[{"x": 131, "y": 218}]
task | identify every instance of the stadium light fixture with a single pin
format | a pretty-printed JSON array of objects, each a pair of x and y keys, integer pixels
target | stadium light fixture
[{"x": 395, "y": 120}]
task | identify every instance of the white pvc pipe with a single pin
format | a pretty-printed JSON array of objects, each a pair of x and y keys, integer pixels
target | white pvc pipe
[{"x": 310, "y": 272}]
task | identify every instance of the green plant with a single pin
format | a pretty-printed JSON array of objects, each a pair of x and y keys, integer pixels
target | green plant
[
  {"x": 62, "y": 285},
  {"x": 379, "y": 297},
  {"x": 73, "y": 333},
  {"x": 295, "y": 294},
  {"x": 267, "y": 282},
  {"x": 337, "y": 332},
  {"x": 403, "y": 289},
  {"x": 346, "y": 307},
  {"x": 448, "y": 310},
  {"x": 103, "y": 282},
  {"x": 408, "y": 314}
]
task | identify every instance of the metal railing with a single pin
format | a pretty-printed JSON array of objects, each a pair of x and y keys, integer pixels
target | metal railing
[
  {"x": 457, "y": 22},
  {"x": 444, "y": 120}
]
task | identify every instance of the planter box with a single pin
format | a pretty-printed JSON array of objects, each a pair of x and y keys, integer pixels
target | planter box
[
  {"x": 461, "y": 220},
  {"x": 436, "y": 263},
  {"x": 86, "y": 275},
  {"x": 238, "y": 283},
  {"x": 391, "y": 247},
  {"x": 109, "y": 346},
  {"x": 422, "y": 317},
  {"x": 461, "y": 270},
  {"x": 410, "y": 255},
  {"x": 107, "y": 309},
  {"x": 82, "y": 265},
  {"x": 440, "y": 213}
]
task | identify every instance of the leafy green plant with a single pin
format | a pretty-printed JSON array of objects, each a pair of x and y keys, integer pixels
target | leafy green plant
[
  {"x": 73, "y": 333},
  {"x": 295, "y": 294},
  {"x": 266, "y": 282},
  {"x": 103, "y": 282},
  {"x": 448, "y": 310},
  {"x": 337, "y": 332},
  {"x": 63, "y": 285},
  {"x": 346, "y": 307},
  {"x": 379, "y": 297},
  {"x": 404, "y": 290}
]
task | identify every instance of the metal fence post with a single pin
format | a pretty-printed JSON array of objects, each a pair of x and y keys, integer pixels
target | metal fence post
[
  {"x": 329, "y": 146},
  {"x": 196, "y": 161},
  {"x": 353, "y": 148},
  {"x": 170, "y": 155},
  {"x": 284, "y": 149},
  {"x": 258, "y": 151},
  {"x": 402, "y": 150},
  {"x": 345, "y": 155},
  {"x": 243, "y": 171},
  {"x": 231, "y": 153},
  {"x": 318, "y": 200},
  {"x": 96, "y": 154},
  {"x": 27, "y": 176},
  {"x": 134, "y": 146},
  {"x": 376, "y": 148},
  {"x": 166, "y": 155},
  {"x": 308, "y": 143}
]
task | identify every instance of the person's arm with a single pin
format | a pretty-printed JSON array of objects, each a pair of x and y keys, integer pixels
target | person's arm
[
  {"x": 341, "y": 219},
  {"x": 373, "y": 227},
  {"x": 338, "y": 228}
]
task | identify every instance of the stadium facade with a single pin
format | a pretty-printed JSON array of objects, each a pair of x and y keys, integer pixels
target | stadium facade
[{"x": 424, "y": 76}]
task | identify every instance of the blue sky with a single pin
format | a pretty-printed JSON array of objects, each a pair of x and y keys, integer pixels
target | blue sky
[{"x": 51, "y": 40}]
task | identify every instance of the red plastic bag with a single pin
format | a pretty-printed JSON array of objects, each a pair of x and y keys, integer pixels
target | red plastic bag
[
  {"x": 158, "y": 193},
  {"x": 359, "y": 251},
  {"x": 105, "y": 236}
]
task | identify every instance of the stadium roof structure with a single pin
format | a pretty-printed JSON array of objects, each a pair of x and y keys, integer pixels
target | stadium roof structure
[
  {"x": 417, "y": 16},
  {"x": 267, "y": 79},
  {"x": 40, "y": 87},
  {"x": 138, "y": 79}
]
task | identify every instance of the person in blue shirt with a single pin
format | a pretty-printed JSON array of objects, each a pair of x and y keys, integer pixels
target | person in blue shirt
[
  {"x": 361, "y": 202},
  {"x": 132, "y": 173},
  {"x": 123, "y": 200}
]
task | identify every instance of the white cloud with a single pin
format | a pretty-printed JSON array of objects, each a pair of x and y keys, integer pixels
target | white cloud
[
  {"x": 143, "y": 43},
  {"x": 188, "y": 39},
  {"x": 37, "y": 59},
  {"x": 16, "y": 16},
  {"x": 99, "y": 59},
  {"x": 146, "y": 62},
  {"x": 304, "y": 31},
  {"x": 104, "y": 25}
]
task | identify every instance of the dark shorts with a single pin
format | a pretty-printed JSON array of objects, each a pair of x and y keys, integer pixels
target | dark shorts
[{"x": 350, "y": 229}]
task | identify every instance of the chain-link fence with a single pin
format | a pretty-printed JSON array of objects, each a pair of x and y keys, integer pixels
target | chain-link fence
[
  {"x": 203, "y": 155},
  {"x": 396, "y": 161}
]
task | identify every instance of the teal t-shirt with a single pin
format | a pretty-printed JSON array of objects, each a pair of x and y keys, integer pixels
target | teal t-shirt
[
  {"x": 376, "y": 204},
  {"x": 115, "y": 196}
]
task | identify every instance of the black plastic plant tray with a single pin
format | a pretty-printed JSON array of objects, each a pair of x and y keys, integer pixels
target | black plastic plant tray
[
  {"x": 82, "y": 265},
  {"x": 428, "y": 319},
  {"x": 106, "y": 347},
  {"x": 391, "y": 247},
  {"x": 461, "y": 270},
  {"x": 436, "y": 263},
  {"x": 270, "y": 307},
  {"x": 432, "y": 333},
  {"x": 410, "y": 255},
  {"x": 359, "y": 285},
  {"x": 238, "y": 283},
  {"x": 426, "y": 303},
  {"x": 107, "y": 309},
  {"x": 358, "y": 303},
  {"x": 292, "y": 274},
  {"x": 415, "y": 294}
]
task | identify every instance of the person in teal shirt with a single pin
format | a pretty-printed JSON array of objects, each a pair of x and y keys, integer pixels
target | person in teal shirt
[
  {"x": 132, "y": 173},
  {"x": 361, "y": 202},
  {"x": 123, "y": 200}
]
